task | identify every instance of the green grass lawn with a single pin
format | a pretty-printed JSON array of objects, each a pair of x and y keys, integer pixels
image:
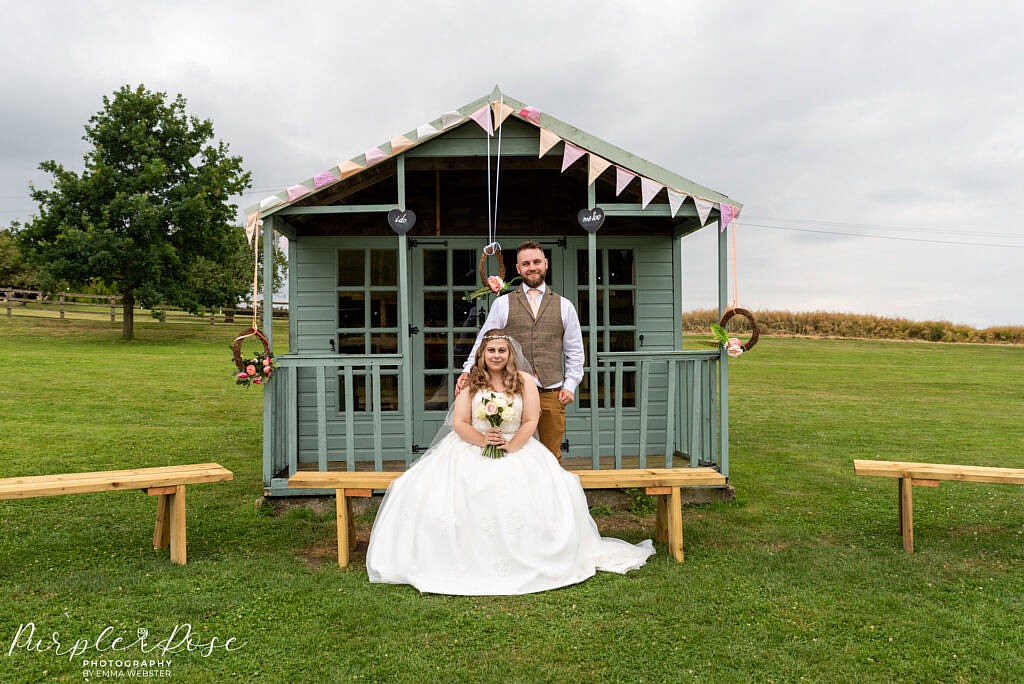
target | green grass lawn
[{"x": 802, "y": 577}]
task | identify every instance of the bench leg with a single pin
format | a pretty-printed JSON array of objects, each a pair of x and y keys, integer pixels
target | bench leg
[
  {"x": 675, "y": 525},
  {"x": 162, "y": 533},
  {"x": 661, "y": 521},
  {"x": 177, "y": 525},
  {"x": 906, "y": 506},
  {"x": 343, "y": 509}
]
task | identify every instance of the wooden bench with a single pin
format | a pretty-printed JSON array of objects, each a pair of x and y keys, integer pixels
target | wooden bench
[
  {"x": 912, "y": 475},
  {"x": 663, "y": 483},
  {"x": 167, "y": 482}
]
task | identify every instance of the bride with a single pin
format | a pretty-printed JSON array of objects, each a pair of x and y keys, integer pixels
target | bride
[{"x": 460, "y": 522}]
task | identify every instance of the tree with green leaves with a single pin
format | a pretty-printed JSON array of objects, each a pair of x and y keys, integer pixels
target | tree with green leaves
[
  {"x": 149, "y": 215},
  {"x": 14, "y": 272}
]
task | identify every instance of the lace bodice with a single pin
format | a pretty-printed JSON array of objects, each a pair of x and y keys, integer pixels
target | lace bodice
[{"x": 512, "y": 408}]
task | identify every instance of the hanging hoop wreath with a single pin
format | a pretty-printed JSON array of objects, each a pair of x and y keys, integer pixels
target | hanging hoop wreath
[
  {"x": 756, "y": 330},
  {"x": 482, "y": 268},
  {"x": 258, "y": 369}
]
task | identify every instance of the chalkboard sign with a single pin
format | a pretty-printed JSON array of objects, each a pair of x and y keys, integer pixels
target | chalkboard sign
[
  {"x": 401, "y": 221},
  {"x": 590, "y": 219}
]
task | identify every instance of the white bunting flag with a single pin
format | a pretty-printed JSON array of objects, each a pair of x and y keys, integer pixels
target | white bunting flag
[
  {"x": 483, "y": 117},
  {"x": 399, "y": 144},
  {"x": 703, "y": 209},
  {"x": 268, "y": 202},
  {"x": 449, "y": 119},
  {"x": 296, "y": 191},
  {"x": 622, "y": 179},
  {"x": 571, "y": 154},
  {"x": 501, "y": 112},
  {"x": 675, "y": 200},
  {"x": 425, "y": 131},
  {"x": 597, "y": 167},
  {"x": 547, "y": 141},
  {"x": 648, "y": 189},
  {"x": 250, "y": 225}
]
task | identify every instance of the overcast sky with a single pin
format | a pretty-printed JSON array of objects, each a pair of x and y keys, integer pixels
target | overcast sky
[{"x": 897, "y": 120}]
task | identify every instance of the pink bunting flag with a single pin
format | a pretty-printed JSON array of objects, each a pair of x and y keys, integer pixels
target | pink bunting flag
[
  {"x": 251, "y": 221},
  {"x": 374, "y": 155},
  {"x": 728, "y": 213},
  {"x": 483, "y": 117},
  {"x": 530, "y": 114},
  {"x": 400, "y": 144},
  {"x": 675, "y": 200},
  {"x": 597, "y": 167},
  {"x": 547, "y": 141},
  {"x": 648, "y": 189},
  {"x": 622, "y": 179},
  {"x": 347, "y": 168},
  {"x": 322, "y": 179},
  {"x": 703, "y": 208},
  {"x": 571, "y": 154},
  {"x": 296, "y": 191}
]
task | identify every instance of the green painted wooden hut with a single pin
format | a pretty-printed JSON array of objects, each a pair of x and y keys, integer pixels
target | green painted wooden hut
[{"x": 379, "y": 329}]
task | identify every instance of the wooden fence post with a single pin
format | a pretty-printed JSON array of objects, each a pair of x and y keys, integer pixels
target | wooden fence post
[
  {"x": 7, "y": 301},
  {"x": 61, "y": 298},
  {"x": 113, "y": 309}
]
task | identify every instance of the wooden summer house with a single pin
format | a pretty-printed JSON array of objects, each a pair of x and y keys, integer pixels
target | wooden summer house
[{"x": 379, "y": 329}]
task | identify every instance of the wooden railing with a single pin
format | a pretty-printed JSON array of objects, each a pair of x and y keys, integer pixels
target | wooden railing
[
  {"x": 68, "y": 305},
  {"x": 285, "y": 384},
  {"x": 694, "y": 408}
]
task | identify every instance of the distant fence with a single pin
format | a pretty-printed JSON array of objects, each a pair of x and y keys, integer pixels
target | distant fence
[{"x": 68, "y": 305}]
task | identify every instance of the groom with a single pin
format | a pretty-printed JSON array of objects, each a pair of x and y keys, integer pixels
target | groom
[{"x": 547, "y": 328}]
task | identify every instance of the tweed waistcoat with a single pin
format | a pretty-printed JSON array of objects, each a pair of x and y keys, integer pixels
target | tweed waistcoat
[{"x": 540, "y": 338}]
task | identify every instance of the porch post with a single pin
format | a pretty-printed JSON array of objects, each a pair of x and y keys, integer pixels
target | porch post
[
  {"x": 595, "y": 428},
  {"x": 404, "y": 340},
  {"x": 268, "y": 330},
  {"x": 723, "y": 359}
]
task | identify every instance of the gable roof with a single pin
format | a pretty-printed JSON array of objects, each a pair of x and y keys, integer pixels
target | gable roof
[{"x": 305, "y": 189}]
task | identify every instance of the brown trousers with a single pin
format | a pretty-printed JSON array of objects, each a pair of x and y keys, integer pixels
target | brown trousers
[{"x": 551, "y": 426}]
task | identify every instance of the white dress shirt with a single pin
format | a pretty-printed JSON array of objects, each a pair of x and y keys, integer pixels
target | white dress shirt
[{"x": 572, "y": 336}]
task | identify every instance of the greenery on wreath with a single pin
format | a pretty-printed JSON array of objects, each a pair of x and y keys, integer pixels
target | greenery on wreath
[
  {"x": 257, "y": 370},
  {"x": 732, "y": 345}
]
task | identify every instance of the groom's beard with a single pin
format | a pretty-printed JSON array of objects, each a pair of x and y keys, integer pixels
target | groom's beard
[{"x": 534, "y": 280}]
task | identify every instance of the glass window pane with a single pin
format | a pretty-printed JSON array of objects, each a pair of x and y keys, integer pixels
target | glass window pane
[
  {"x": 352, "y": 343},
  {"x": 435, "y": 309},
  {"x": 383, "y": 267},
  {"x": 384, "y": 343},
  {"x": 583, "y": 267},
  {"x": 351, "y": 267},
  {"x": 388, "y": 392},
  {"x": 464, "y": 263},
  {"x": 622, "y": 340},
  {"x": 620, "y": 266},
  {"x": 463, "y": 345},
  {"x": 628, "y": 388},
  {"x": 435, "y": 392},
  {"x": 384, "y": 309},
  {"x": 350, "y": 310},
  {"x": 584, "y": 308},
  {"x": 435, "y": 350},
  {"x": 621, "y": 308},
  {"x": 358, "y": 393},
  {"x": 464, "y": 313},
  {"x": 435, "y": 267}
]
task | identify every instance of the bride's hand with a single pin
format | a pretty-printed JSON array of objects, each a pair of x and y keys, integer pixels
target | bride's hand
[{"x": 494, "y": 436}]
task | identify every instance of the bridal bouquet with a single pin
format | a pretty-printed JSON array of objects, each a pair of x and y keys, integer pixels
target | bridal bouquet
[{"x": 494, "y": 408}]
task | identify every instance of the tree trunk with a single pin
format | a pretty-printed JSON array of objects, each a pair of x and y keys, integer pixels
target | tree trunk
[{"x": 128, "y": 314}]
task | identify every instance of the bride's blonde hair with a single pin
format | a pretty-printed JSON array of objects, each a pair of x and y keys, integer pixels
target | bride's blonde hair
[{"x": 478, "y": 376}]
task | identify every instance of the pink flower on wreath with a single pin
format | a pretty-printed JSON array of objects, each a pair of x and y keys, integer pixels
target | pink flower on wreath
[
  {"x": 495, "y": 283},
  {"x": 734, "y": 342},
  {"x": 258, "y": 381},
  {"x": 491, "y": 409},
  {"x": 250, "y": 369},
  {"x": 243, "y": 375},
  {"x": 734, "y": 350}
]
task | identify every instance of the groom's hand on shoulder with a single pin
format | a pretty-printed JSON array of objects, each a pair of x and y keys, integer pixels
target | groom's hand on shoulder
[{"x": 460, "y": 384}]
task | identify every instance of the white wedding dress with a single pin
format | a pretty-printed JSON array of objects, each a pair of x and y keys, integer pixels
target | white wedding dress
[{"x": 461, "y": 523}]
